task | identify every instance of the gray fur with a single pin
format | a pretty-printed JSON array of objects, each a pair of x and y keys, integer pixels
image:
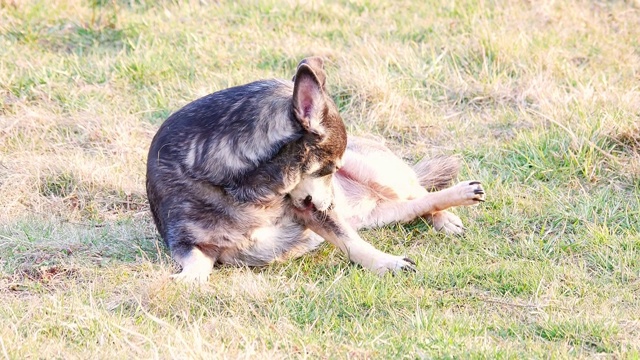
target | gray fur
[{"x": 220, "y": 168}]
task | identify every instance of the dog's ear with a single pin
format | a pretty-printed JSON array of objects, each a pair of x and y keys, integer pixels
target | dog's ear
[
  {"x": 317, "y": 64},
  {"x": 308, "y": 95}
]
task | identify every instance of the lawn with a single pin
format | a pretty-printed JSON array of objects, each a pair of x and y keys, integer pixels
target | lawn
[{"x": 540, "y": 100}]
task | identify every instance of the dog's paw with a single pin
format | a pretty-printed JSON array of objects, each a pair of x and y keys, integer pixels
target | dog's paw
[
  {"x": 196, "y": 268},
  {"x": 446, "y": 222},
  {"x": 393, "y": 264},
  {"x": 191, "y": 277},
  {"x": 469, "y": 192}
]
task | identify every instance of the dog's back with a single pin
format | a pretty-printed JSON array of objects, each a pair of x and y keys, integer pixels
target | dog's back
[{"x": 225, "y": 134}]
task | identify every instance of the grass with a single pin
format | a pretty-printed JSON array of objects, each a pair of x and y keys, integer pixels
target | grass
[{"x": 540, "y": 100}]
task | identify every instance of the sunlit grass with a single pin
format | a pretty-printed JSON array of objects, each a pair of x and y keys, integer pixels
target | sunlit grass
[{"x": 540, "y": 100}]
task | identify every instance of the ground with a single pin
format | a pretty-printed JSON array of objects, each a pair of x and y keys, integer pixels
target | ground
[{"x": 540, "y": 100}]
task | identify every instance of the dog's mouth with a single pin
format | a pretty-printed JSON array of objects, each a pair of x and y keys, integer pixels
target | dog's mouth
[{"x": 307, "y": 205}]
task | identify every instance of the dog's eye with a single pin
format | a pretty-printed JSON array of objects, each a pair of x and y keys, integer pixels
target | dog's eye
[{"x": 326, "y": 170}]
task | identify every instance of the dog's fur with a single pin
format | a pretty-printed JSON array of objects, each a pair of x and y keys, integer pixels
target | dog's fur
[{"x": 264, "y": 172}]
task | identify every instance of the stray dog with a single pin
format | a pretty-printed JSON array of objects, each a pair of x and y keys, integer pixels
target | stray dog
[{"x": 263, "y": 172}]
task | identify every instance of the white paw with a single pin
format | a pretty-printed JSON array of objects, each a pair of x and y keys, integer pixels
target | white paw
[
  {"x": 191, "y": 277},
  {"x": 196, "y": 268},
  {"x": 446, "y": 222},
  {"x": 468, "y": 192},
  {"x": 391, "y": 263}
]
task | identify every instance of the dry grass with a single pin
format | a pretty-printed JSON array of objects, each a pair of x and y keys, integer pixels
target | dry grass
[{"x": 540, "y": 99}]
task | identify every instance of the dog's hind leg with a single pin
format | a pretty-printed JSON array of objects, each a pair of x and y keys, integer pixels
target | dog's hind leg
[
  {"x": 273, "y": 243},
  {"x": 434, "y": 204},
  {"x": 446, "y": 222},
  {"x": 309, "y": 241}
]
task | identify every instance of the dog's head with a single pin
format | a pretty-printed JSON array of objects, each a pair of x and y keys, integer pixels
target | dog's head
[{"x": 325, "y": 137}]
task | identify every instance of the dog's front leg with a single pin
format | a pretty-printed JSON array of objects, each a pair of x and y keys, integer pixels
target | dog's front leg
[
  {"x": 264, "y": 184},
  {"x": 338, "y": 232},
  {"x": 271, "y": 179}
]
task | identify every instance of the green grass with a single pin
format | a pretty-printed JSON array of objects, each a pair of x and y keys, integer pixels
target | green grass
[{"x": 540, "y": 100}]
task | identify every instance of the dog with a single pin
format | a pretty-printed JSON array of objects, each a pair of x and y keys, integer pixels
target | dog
[{"x": 265, "y": 172}]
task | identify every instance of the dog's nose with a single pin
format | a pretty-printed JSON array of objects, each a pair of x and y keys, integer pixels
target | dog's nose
[{"x": 307, "y": 200}]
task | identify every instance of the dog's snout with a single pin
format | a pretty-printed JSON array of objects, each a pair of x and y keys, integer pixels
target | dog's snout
[{"x": 307, "y": 200}]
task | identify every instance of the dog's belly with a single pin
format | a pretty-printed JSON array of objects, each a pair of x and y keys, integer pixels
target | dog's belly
[
  {"x": 381, "y": 171},
  {"x": 272, "y": 242},
  {"x": 354, "y": 201}
]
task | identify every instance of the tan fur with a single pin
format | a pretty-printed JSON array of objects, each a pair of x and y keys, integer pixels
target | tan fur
[
  {"x": 437, "y": 173},
  {"x": 375, "y": 188}
]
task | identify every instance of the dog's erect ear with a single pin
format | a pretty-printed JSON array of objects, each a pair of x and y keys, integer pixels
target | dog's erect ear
[
  {"x": 308, "y": 95},
  {"x": 317, "y": 65}
]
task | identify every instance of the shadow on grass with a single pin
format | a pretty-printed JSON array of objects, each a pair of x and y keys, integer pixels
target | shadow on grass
[{"x": 41, "y": 249}]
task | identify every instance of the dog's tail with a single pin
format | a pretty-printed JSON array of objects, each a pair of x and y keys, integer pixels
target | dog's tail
[{"x": 437, "y": 173}]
